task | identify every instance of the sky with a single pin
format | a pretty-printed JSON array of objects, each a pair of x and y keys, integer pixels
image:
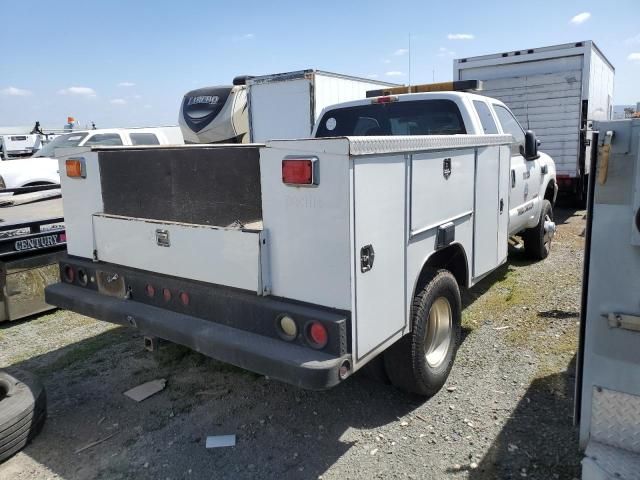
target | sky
[{"x": 128, "y": 63}]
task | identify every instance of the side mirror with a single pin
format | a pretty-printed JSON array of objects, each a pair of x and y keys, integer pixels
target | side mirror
[{"x": 531, "y": 144}]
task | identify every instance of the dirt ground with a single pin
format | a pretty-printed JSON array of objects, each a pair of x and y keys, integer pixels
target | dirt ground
[{"x": 504, "y": 414}]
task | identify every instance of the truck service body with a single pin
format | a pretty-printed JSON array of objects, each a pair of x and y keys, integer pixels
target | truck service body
[
  {"x": 557, "y": 91},
  {"x": 305, "y": 259}
]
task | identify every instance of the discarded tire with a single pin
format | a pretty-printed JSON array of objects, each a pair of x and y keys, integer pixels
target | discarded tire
[{"x": 23, "y": 409}]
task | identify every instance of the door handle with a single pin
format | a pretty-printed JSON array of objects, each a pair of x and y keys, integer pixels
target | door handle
[
  {"x": 513, "y": 178},
  {"x": 367, "y": 255},
  {"x": 501, "y": 205}
]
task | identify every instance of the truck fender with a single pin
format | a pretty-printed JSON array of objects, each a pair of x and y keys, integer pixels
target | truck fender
[{"x": 452, "y": 258}]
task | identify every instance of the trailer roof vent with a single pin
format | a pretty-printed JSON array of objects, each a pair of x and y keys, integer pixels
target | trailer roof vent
[
  {"x": 579, "y": 44},
  {"x": 516, "y": 53},
  {"x": 530, "y": 50},
  {"x": 505, "y": 54},
  {"x": 463, "y": 60}
]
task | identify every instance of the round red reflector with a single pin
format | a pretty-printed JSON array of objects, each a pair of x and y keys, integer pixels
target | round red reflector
[
  {"x": 184, "y": 298},
  {"x": 151, "y": 291},
  {"x": 318, "y": 334},
  {"x": 166, "y": 294},
  {"x": 68, "y": 273}
]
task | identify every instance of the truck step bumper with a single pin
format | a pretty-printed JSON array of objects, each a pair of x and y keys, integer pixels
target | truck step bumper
[{"x": 290, "y": 363}]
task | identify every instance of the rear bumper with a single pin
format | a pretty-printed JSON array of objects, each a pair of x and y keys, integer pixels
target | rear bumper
[{"x": 291, "y": 363}]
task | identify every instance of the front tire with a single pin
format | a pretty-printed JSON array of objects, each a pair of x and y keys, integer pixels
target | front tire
[
  {"x": 420, "y": 362},
  {"x": 537, "y": 240}
]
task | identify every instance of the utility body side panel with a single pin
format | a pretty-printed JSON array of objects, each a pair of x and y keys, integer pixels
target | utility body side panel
[
  {"x": 82, "y": 198},
  {"x": 379, "y": 198},
  {"x": 308, "y": 228}
]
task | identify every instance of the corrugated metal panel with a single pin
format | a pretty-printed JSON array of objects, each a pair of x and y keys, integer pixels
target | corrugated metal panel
[{"x": 548, "y": 104}]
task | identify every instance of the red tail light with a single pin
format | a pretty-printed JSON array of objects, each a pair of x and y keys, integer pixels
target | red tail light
[
  {"x": 151, "y": 291},
  {"x": 299, "y": 171},
  {"x": 68, "y": 274},
  {"x": 317, "y": 335},
  {"x": 166, "y": 294},
  {"x": 184, "y": 298}
]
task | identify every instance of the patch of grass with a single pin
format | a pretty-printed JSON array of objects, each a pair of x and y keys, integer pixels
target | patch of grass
[{"x": 83, "y": 351}]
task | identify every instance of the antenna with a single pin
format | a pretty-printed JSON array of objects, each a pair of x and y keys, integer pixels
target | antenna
[{"x": 409, "y": 61}]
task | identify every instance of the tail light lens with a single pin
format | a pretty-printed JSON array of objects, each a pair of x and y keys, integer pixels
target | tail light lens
[
  {"x": 68, "y": 274},
  {"x": 166, "y": 294},
  {"x": 287, "y": 327},
  {"x": 300, "y": 171},
  {"x": 75, "y": 168},
  {"x": 317, "y": 335},
  {"x": 151, "y": 291},
  {"x": 184, "y": 298},
  {"x": 83, "y": 279}
]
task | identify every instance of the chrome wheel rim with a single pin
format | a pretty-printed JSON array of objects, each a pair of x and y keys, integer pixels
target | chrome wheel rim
[
  {"x": 439, "y": 326},
  {"x": 548, "y": 232}
]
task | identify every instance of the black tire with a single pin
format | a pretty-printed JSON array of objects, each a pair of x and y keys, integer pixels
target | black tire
[
  {"x": 406, "y": 361},
  {"x": 375, "y": 370},
  {"x": 537, "y": 244},
  {"x": 23, "y": 409}
]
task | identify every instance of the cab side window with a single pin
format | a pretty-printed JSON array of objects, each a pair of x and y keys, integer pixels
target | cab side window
[
  {"x": 144, "y": 139},
  {"x": 104, "y": 139},
  {"x": 510, "y": 125},
  {"x": 486, "y": 119}
]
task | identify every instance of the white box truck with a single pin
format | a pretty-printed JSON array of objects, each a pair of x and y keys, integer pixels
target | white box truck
[
  {"x": 306, "y": 259},
  {"x": 286, "y": 105},
  {"x": 553, "y": 90}
]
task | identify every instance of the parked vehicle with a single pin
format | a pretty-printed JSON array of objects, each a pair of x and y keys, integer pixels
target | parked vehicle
[
  {"x": 18, "y": 146},
  {"x": 256, "y": 109},
  {"x": 554, "y": 90},
  {"x": 608, "y": 364},
  {"x": 42, "y": 168},
  {"x": 306, "y": 259}
]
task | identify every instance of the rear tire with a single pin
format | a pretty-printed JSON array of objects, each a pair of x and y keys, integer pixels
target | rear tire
[
  {"x": 420, "y": 362},
  {"x": 537, "y": 241}
]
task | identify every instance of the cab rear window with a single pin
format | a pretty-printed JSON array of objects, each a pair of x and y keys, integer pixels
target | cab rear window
[{"x": 424, "y": 117}]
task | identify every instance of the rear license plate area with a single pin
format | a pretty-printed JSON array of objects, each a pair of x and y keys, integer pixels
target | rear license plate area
[{"x": 111, "y": 284}]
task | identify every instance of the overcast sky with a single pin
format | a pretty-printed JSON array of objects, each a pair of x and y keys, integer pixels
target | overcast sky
[{"x": 122, "y": 63}]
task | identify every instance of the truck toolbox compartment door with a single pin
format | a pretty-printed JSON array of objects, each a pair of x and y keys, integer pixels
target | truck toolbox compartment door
[
  {"x": 379, "y": 194},
  {"x": 209, "y": 254}
]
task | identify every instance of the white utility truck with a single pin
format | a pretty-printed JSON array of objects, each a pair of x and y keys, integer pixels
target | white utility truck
[
  {"x": 266, "y": 107},
  {"x": 305, "y": 259},
  {"x": 556, "y": 91}
]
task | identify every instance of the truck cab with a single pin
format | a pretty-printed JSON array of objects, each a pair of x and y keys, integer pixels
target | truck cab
[{"x": 533, "y": 187}]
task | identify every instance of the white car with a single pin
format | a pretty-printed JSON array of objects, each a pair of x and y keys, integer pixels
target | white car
[{"x": 42, "y": 168}]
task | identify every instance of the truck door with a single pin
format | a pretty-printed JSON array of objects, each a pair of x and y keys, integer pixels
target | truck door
[
  {"x": 608, "y": 363},
  {"x": 379, "y": 211},
  {"x": 525, "y": 176}
]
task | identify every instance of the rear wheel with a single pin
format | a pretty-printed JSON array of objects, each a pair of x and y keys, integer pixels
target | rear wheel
[
  {"x": 421, "y": 361},
  {"x": 537, "y": 240}
]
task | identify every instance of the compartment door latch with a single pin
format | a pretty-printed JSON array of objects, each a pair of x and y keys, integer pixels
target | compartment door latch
[
  {"x": 624, "y": 320},
  {"x": 367, "y": 256}
]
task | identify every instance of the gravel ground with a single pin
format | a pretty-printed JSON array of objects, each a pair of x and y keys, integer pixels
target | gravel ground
[{"x": 505, "y": 412}]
